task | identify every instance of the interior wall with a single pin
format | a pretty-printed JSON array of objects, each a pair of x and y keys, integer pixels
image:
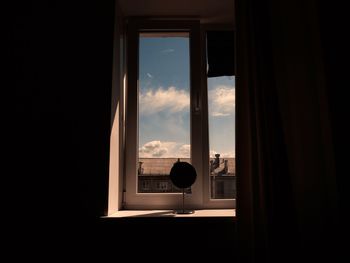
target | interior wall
[
  {"x": 62, "y": 58},
  {"x": 115, "y": 187}
]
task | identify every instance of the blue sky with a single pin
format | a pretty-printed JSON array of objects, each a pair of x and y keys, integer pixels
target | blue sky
[{"x": 164, "y": 100}]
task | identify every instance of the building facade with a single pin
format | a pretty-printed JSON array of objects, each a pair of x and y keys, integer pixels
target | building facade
[{"x": 153, "y": 176}]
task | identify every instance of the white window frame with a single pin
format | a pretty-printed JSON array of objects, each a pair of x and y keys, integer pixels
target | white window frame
[{"x": 200, "y": 196}]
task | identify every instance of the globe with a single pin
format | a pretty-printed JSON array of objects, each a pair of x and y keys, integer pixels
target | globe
[{"x": 183, "y": 174}]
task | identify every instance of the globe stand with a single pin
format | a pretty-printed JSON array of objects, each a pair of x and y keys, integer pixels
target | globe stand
[
  {"x": 183, "y": 210},
  {"x": 183, "y": 175}
]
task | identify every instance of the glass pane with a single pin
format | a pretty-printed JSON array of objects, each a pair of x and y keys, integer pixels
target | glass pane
[
  {"x": 163, "y": 108},
  {"x": 221, "y": 110}
]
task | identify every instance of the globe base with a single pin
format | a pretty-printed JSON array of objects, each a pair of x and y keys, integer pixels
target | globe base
[{"x": 183, "y": 211}]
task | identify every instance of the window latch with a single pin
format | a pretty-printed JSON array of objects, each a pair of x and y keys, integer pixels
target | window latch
[{"x": 197, "y": 104}]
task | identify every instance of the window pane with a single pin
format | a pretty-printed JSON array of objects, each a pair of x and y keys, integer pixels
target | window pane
[
  {"x": 163, "y": 108},
  {"x": 221, "y": 110}
]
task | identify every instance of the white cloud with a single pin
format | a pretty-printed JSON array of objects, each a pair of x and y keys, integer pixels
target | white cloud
[
  {"x": 230, "y": 154},
  {"x": 154, "y": 149},
  {"x": 171, "y": 99},
  {"x": 222, "y": 100},
  {"x": 212, "y": 153},
  {"x": 149, "y": 75},
  {"x": 164, "y": 149},
  {"x": 185, "y": 151}
]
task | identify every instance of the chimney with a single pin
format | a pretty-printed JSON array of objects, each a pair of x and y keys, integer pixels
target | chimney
[
  {"x": 140, "y": 170},
  {"x": 226, "y": 166},
  {"x": 211, "y": 166},
  {"x": 216, "y": 161}
]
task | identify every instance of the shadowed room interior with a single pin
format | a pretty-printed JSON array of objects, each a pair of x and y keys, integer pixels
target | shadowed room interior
[{"x": 290, "y": 191}]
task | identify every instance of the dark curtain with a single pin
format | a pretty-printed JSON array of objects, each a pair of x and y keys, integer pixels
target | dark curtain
[{"x": 286, "y": 181}]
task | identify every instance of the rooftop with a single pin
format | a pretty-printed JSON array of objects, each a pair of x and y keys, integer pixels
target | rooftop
[{"x": 162, "y": 166}]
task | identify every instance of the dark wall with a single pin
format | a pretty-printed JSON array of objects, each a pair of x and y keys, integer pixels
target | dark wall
[{"x": 61, "y": 61}]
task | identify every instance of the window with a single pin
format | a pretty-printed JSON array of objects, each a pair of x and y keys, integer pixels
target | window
[
  {"x": 163, "y": 104},
  {"x": 171, "y": 115},
  {"x": 221, "y": 117},
  {"x": 221, "y": 113}
]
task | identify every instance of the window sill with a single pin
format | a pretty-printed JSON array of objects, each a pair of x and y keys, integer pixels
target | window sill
[{"x": 217, "y": 213}]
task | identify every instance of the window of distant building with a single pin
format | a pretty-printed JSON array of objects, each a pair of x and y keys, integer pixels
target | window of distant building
[{"x": 175, "y": 111}]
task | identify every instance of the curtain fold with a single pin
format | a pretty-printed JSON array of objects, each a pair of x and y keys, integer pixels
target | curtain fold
[{"x": 285, "y": 172}]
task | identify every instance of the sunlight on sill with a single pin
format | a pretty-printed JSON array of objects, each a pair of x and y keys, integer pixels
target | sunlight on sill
[{"x": 229, "y": 213}]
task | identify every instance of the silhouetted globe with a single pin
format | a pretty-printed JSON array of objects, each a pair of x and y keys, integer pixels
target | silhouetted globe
[{"x": 183, "y": 174}]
